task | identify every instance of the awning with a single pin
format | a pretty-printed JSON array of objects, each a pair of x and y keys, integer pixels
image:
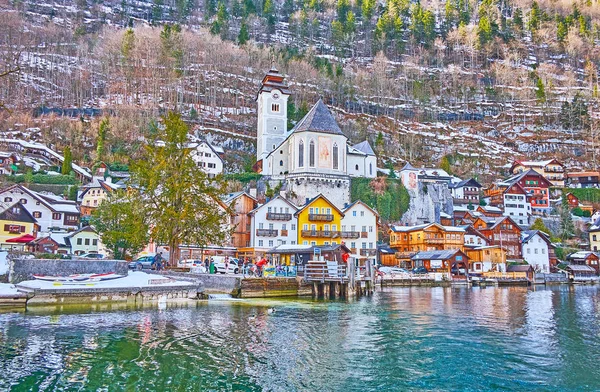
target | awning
[{"x": 24, "y": 239}]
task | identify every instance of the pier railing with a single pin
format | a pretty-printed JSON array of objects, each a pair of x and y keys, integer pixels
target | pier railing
[{"x": 325, "y": 273}]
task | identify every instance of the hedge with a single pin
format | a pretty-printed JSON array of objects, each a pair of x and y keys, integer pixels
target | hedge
[{"x": 45, "y": 179}]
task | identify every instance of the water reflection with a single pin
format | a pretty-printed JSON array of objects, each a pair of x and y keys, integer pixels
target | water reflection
[{"x": 399, "y": 339}]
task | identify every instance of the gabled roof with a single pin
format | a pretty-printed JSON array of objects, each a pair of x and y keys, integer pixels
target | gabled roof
[
  {"x": 53, "y": 202},
  {"x": 534, "y": 163},
  {"x": 272, "y": 200},
  {"x": 318, "y": 119},
  {"x": 228, "y": 199},
  {"x": 528, "y": 235},
  {"x": 519, "y": 268},
  {"x": 408, "y": 166},
  {"x": 515, "y": 179},
  {"x": 320, "y": 195},
  {"x": 364, "y": 147},
  {"x": 581, "y": 268},
  {"x": 22, "y": 216},
  {"x": 83, "y": 229},
  {"x": 406, "y": 229},
  {"x": 463, "y": 183},
  {"x": 364, "y": 204}
]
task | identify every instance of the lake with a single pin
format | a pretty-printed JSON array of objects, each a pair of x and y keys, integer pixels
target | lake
[{"x": 398, "y": 339}]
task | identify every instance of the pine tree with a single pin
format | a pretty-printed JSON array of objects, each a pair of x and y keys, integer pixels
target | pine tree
[
  {"x": 567, "y": 228},
  {"x": 269, "y": 14},
  {"x": 101, "y": 139},
  {"x": 67, "y": 165},
  {"x": 244, "y": 35},
  {"x": 484, "y": 30},
  {"x": 539, "y": 225},
  {"x": 562, "y": 30},
  {"x": 518, "y": 19},
  {"x": 540, "y": 91}
]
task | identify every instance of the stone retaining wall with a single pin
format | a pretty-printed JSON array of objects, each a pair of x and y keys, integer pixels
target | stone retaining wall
[{"x": 24, "y": 269}]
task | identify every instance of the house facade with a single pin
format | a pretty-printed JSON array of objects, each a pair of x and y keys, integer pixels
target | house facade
[
  {"x": 465, "y": 192},
  {"x": 273, "y": 224},
  {"x": 552, "y": 170},
  {"x": 503, "y": 232},
  {"x": 16, "y": 221},
  {"x": 516, "y": 205},
  {"x": 536, "y": 250},
  {"x": 486, "y": 259},
  {"x": 207, "y": 157},
  {"x": 583, "y": 179},
  {"x": 51, "y": 212},
  {"x": 594, "y": 236},
  {"x": 241, "y": 205},
  {"x": 94, "y": 194},
  {"x": 84, "y": 240},
  {"x": 359, "y": 229},
  {"x": 319, "y": 222}
]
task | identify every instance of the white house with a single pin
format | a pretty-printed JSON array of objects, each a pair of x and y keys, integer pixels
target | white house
[
  {"x": 50, "y": 211},
  {"x": 536, "y": 250},
  {"x": 207, "y": 157},
  {"x": 273, "y": 224},
  {"x": 84, "y": 240},
  {"x": 359, "y": 228},
  {"x": 516, "y": 206},
  {"x": 465, "y": 192}
]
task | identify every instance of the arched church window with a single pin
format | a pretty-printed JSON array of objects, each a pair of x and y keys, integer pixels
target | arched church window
[
  {"x": 280, "y": 163},
  {"x": 311, "y": 153},
  {"x": 356, "y": 167},
  {"x": 370, "y": 169},
  {"x": 301, "y": 154},
  {"x": 335, "y": 155}
]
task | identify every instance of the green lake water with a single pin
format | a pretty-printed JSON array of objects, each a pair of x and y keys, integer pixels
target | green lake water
[{"x": 399, "y": 339}]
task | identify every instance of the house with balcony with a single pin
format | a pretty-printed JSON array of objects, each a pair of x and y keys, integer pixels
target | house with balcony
[
  {"x": 574, "y": 202},
  {"x": 583, "y": 179},
  {"x": 273, "y": 224},
  {"x": 50, "y": 211},
  {"x": 408, "y": 240},
  {"x": 552, "y": 170},
  {"x": 465, "y": 192},
  {"x": 503, "y": 232},
  {"x": 241, "y": 204},
  {"x": 359, "y": 228},
  {"x": 319, "y": 222},
  {"x": 590, "y": 259},
  {"x": 486, "y": 259}
]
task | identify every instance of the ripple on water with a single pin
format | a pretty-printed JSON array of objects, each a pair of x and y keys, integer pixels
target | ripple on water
[{"x": 399, "y": 339}]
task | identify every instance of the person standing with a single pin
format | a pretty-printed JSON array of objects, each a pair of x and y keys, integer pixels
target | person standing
[
  {"x": 226, "y": 264},
  {"x": 158, "y": 261},
  {"x": 212, "y": 266}
]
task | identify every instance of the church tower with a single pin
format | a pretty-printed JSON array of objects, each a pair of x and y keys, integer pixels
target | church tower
[{"x": 272, "y": 101}]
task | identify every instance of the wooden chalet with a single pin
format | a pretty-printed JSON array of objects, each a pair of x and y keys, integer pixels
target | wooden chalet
[
  {"x": 591, "y": 259},
  {"x": 503, "y": 232},
  {"x": 241, "y": 204},
  {"x": 441, "y": 260}
]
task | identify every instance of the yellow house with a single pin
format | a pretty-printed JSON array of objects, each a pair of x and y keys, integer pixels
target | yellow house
[
  {"x": 16, "y": 223},
  {"x": 594, "y": 234},
  {"x": 319, "y": 222}
]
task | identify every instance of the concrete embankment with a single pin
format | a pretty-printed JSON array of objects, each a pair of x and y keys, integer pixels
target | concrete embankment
[{"x": 245, "y": 287}]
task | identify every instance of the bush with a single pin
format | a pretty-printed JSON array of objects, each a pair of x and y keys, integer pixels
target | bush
[
  {"x": 45, "y": 179},
  {"x": 244, "y": 178},
  {"x": 391, "y": 203}
]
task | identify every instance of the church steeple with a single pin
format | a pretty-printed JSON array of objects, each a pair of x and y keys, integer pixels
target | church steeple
[{"x": 272, "y": 97}]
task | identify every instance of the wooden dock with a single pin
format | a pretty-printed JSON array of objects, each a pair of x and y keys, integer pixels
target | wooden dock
[{"x": 333, "y": 280}]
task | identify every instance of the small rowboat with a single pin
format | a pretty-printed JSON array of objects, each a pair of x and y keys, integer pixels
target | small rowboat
[{"x": 78, "y": 278}]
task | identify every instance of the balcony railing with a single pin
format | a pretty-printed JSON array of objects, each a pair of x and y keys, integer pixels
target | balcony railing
[
  {"x": 279, "y": 216},
  {"x": 266, "y": 233},
  {"x": 320, "y": 217},
  {"x": 405, "y": 255},
  {"x": 368, "y": 252},
  {"x": 320, "y": 233},
  {"x": 435, "y": 240},
  {"x": 350, "y": 234}
]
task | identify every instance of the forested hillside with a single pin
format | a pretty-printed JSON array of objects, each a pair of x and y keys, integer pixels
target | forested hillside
[{"x": 474, "y": 82}]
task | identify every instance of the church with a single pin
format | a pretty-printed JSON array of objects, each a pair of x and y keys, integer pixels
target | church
[{"x": 312, "y": 158}]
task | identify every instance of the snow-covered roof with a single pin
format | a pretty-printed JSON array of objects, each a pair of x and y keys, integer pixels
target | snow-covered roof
[
  {"x": 39, "y": 146},
  {"x": 364, "y": 147}
]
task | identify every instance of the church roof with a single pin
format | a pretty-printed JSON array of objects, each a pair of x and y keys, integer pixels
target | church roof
[
  {"x": 364, "y": 147},
  {"x": 318, "y": 119}
]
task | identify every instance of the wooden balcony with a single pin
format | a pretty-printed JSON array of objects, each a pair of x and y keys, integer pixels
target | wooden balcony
[
  {"x": 350, "y": 234},
  {"x": 278, "y": 216},
  {"x": 368, "y": 252},
  {"x": 266, "y": 233},
  {"x": 320, "y": 234},
  {"x": 320, "y": 217}
]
